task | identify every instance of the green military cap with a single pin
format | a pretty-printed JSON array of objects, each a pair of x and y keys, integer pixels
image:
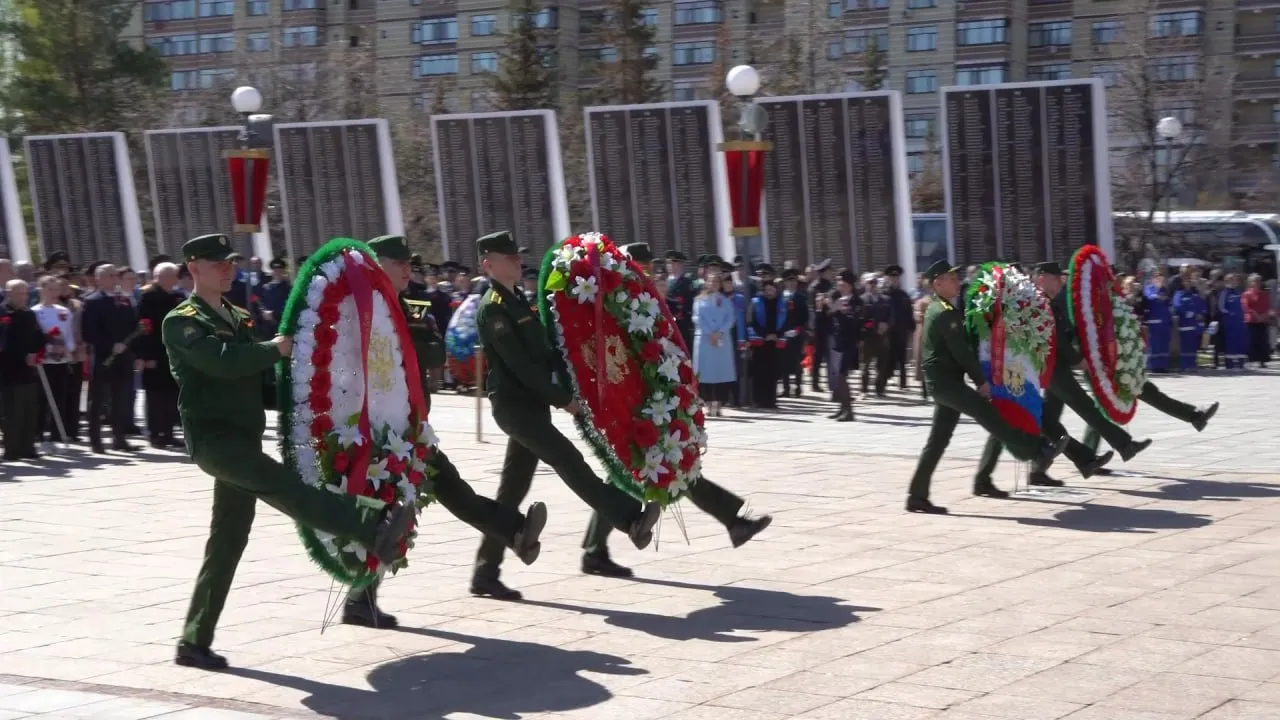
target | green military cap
[
  {"x": 215, "y": 246},
  {"x": 1049, "y": 268},
  {"x": 278, "y": 264},
  {"x": 710, "y": 260},
  {"x": 391, "y": 247},
  {"x": 675, "y": 256},
  {"x": 499, "y": 242},
  {"x": 639, "y": 252},
  {"x": 942, "y": 267}
]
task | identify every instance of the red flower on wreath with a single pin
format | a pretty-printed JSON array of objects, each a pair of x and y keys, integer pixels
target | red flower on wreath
[
  {"x": 416, "y": 477},
  {"x": 634, "y": 288},
  {"x": 321, "y": 426},
  {"x": 341, "y": 461},
  {"x": 321, "y": 403},
  {"x": 387, "y": 493},
  {"x": 646, "y": 434},
  {"x": 321, "y": 384},
  {"x": 333, "y": 294},
  {"x": 686, "y": 396},
  {"x": 395, "y": 465},
  {"x": 662, "y": 328},
  {"x": 686, "y": 373},
  {"x": 680, "y": 429},
  {"x": 651, "y": 352},
  {"x": 420, "y": 451},
  {"x": 322, "y": 357},
  {"x": 610, "y": 280},
  {"x": 579, "y": 268},
  {"x": 688, "y": 459},
  {"x": 325, "y": 336},
  {"x": 699, "y": 419},
  {"x": 328, "y": 314}
]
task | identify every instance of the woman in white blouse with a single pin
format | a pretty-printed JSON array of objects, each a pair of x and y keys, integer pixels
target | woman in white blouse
[{"x": 60, "y": 354}]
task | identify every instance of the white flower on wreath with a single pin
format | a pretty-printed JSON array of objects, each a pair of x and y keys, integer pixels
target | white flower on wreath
[
  {"x": 620, "y": 297},
  {"x": 670, "y": 368},
  {"x": 584, "y": 289},
  {"x": 407, "y": 491},
  {"x": 349, "y": 435},
  {"x": 378, "y": 473},
  {"x": 333, "y": 269},
  {"x": 398, "y": 446},
  {"x": 672, "y": 448},
  {"x": 427, "y": 435},
  {"x": 639, "y": 324},
  {"x": 308, "y": 319},
  {"x": 591, "y": 238},
  {"x": 357, "y": 550},
  {"x": 646, "y": 304},
  {"x": 653, "y": 469},
  {"x": 660, "y": 408}
]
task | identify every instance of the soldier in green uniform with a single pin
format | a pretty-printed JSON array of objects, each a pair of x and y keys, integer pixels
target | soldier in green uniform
[
  {"x": 502, "y": 523},
  {"x": 220, "y": 370},
  {"x": 522, "y": 390},
  {"x": 707, "y": 496},
  {"x": 1063, "y": 388},
  {"x": 948, "y": 358}
]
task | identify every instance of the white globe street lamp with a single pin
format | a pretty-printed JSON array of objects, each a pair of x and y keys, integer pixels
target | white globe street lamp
[
  {"x": 743, "y": 81},
  {"x": 246, "y": 100},
  {"x": 1169, "y": 127}
]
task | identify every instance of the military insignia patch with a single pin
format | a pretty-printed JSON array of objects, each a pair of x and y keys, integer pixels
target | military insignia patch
[
  {"x": 189, "y": 332},
  {"x": 499, "y": 325}
]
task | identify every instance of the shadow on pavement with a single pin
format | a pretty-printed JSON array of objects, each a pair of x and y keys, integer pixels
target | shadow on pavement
[
  {"x": 742, "y": 608},
  {"x": 1192, "y": 490},
  {"x": 68, "y": 460},
  {"x": 1109, "y": 519},
  {"x": 494, "y": 678}
]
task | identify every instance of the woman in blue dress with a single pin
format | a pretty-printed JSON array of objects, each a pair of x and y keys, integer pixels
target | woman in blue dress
[
  {"x": 1235, "y": 335},
  {"x": 1190, "y": 310},
  {"x": 1159, "y": 322},
  {"x": 714, "y": 345}
]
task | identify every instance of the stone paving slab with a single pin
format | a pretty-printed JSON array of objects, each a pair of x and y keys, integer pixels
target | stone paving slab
[{"x": 1150, "y": 595}]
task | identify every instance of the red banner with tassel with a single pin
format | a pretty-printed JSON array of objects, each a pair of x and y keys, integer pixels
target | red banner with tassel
[
  {"x": 744, "y": 166},
  {"x": 248, "y": 170}
]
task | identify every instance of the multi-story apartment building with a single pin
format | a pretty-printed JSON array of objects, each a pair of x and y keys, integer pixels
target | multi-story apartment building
[{"x": 413, "y": 54}]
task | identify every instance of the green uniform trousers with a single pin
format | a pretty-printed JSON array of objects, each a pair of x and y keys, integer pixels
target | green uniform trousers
[
  {"x": 705, "y": 495},
  {"x": 531, "y": 437},
  {"x": 495, "y": 520},
  {"x": 950, "y": 402},
  {"x": 1156, "y": 398},
  {"x": 1065, "y": 390},
  {"x": 242, "y": 475}
]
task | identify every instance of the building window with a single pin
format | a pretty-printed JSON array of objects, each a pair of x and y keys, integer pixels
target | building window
[
  {"x": 299, "y": 73},
  {"x": 305, "y": 36},
  {"x": 434, "y": 31},
  {"x": 183, "y": 80},
  {"x": 684, "y": 90},
  {"x": 696, "y": 12},
  {"x": 590, "y": 59},
  {"x": 1110, "y": 74},
  {"x": 982, "y": 32},
  {"x": 484, "y": 62},
  {"x": 1057, "y": 71},
  {"x": 1049, "y": 34},
  {"x": 300, "y": 4},
  {"x": 922, "y": 81},
  {"x": 217, "y": 43},
  {"x": 258, "y": 41},
  {"x": 921, "y": 4},
  {"x": 919, "y": 126},
  {"x": 165, "y": 10},
  {"x": 649, "y": 17},
  {"x": 216, "y": 77},
  {"x": 544, "y": 19},
  {"x": 1173, "y": 69},
  {"x": 483, "y": 25},
  {"x": 922, "y": 38},
  {"x": 915, "y": 164},
  {"x": 175, "y": 45},
  {"x": 857, "y": 42},
  {"x": 1275, "y": 68},
  {"x": 259, "y": 7},
  {"x": 835, "y": 8},
  {"x": 1106, "y": 32},
  {"x": 693, "y": 53},
  {"x": 1176, "y": 24},
  {"x": 431, "y": 65},
  {"x": 217, "y": 8},
  {"x": 981, "y": 74}
]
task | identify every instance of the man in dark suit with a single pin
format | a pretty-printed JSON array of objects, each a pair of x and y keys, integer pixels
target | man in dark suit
[
  {"x": 110, "y": 326},
  {"x": 156, "y": 301},
  {"x": 21, "y": 347}
]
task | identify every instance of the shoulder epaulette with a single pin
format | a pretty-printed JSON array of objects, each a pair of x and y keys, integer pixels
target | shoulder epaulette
[
  {"x": 494, "y": 297},
  {"x": 946, "y": 305},
  {"x": 186, "y": 310},
  {"x": 148, "y": 287}
]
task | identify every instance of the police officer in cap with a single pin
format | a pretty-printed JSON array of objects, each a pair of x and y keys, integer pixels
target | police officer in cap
[
  {"x": 680, "y": 294},
  {"x": 529, "y": 283},
  {"x": 819, "y": 299},
  {"x": 902, "y": 323},
  {"x": 274, "y": 295}
]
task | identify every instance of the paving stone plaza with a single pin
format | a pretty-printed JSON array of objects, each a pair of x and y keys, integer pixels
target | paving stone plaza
[{"x": 1148, "y": 595}]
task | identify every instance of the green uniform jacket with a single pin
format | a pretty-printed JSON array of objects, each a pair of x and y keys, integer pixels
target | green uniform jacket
[
  {"x": 219, "y": 366},
  {"x": 423, "y": 333},
  {"x": 1064, "y": 336},
  {"x": 947, "y": 355},
  {"x": 520, "y": 358}
]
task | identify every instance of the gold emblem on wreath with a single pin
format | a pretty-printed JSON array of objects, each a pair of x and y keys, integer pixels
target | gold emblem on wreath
[
  {"x": 615, "y": 359},
  {"x": 381, "y": 365},
  {"x": 1014, "y": 380}
]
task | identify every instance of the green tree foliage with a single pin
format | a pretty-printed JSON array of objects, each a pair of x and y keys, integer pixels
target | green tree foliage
[
  {"x": 628, "y": 79},
  {"x": 874, "y": 68},
  {"x": 523, "y": 81},
  {"x": 75, "y": 73}
]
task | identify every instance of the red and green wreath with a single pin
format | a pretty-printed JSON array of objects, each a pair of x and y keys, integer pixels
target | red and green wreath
[{"x": 626, "y": 364}]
